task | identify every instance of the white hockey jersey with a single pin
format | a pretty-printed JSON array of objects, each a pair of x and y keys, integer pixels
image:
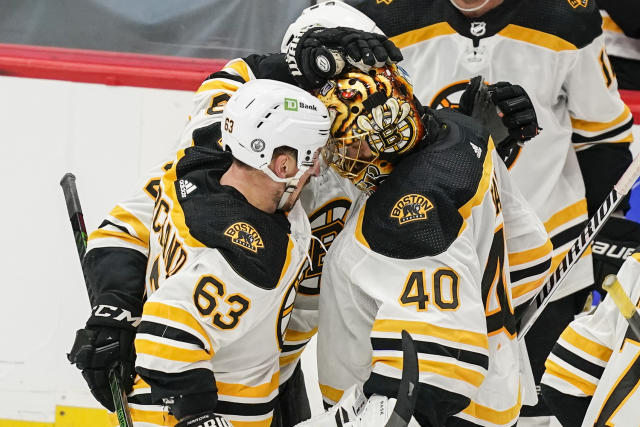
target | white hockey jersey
[
  {"x": 429, "y": 252},
  {"x": 554, "y": 49},
  {"x": 596, "y": 356},
  {"x": 221, "y": 285}
]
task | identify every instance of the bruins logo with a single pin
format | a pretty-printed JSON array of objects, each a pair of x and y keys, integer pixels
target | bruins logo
[
  {"x": 244, "y": 235},
  {"x": 575, "y": 3},
  {"x": 326, "y": 223},
  {"x": 384, "y": 1},
  {"x": 412, "y": 207},
  {"x": 286, "y": 309}
]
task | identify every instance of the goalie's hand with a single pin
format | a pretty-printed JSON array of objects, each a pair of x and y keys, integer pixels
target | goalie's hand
[
  {"x": 318, "y": 54},
  {"x": 504, "y": 109}
]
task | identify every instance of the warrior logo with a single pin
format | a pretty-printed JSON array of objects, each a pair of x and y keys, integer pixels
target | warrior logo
[
  {"x": 478, "y": 29},
  {"x": 412, "y": 207},
  {"x": 575, "y": 3},
  {"x": 242, "y": 234}
]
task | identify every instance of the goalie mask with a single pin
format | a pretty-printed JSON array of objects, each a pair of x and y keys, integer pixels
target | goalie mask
[{"x": 375, "y": 120}]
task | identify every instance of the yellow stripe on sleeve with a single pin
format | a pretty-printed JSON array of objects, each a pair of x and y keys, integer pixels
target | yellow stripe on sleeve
[
  {"x": 444, "y": 369},
  {"x": 331, "y": 393},
  {"x": 241, "y": 390},
  {"x": 580, "y": 383},
  {"x": 524, "y": 257},
  {"x": 128, "y": 218},
  {"x": 591, "y": 347},
  {"x": 160, "y": 418},
  {"x": 170, "y": 352},
  {"x": 536, "y": 37},
  {"x": 565, "y": 215},
  {"x": 175, "y": 314},
  {"x": 285, "y": 360},
  {"x": 520, "y": 290},
  {"x": 492, "y": 415},
  {"x": 421, "y": 34},
  {"x": 422, "y": 328},
  {"x": 218, "y": 85},
  {"x": 241, "y": 68},
  {"x": 101, "y": 233},
  {"x": 600, "y": 126},
  {"x": 291, "y": 335}
]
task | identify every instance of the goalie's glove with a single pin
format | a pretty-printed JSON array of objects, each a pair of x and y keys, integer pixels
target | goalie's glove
[
  {"x": 318, "y": 54},
  {"x": 98, "y": 349},
  {"x": 354, "y": 410},
  {"x": 504, "y": 109},
  {"x": 206, "y": 419}
]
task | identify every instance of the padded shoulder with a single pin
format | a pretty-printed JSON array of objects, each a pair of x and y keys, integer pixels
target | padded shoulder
[
  {"x": 575, "y": 21},
  {"x": 416, "y": 211},
  {"x": 253, "y": 242}
]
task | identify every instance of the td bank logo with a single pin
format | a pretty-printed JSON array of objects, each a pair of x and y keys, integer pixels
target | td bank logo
[{"x": 291, "y": 104}]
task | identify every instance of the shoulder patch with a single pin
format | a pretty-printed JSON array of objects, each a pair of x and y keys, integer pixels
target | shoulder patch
[
  {"x": 245, "y": 236},
  {"x": 411, "y": 207}
]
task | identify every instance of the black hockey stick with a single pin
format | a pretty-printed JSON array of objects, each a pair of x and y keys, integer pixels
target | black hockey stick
[
  {"x": 68, "y": 184},
  {"x": 542, "y": 298},
  {"x": 407, "y": 391},
  {"x": 623, "y": 302}
]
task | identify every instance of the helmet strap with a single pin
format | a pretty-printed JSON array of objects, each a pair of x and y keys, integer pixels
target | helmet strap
[{"x": 291, "y": 183}]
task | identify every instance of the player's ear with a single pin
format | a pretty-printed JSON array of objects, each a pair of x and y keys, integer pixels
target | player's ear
[{"x": 283, "y": 165}]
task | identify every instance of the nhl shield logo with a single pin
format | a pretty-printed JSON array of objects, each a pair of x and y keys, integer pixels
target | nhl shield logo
[
  {"x": 575, "y": 3},
  {"x": 478, "y": 29},
  {"x": 412, "y": 207},
  {"x": 244, "y": 235}
]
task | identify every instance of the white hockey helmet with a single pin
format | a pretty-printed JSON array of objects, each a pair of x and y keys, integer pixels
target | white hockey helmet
[
  {"x": 263, "y": 115},
  {"x": 329, "y": 14}
]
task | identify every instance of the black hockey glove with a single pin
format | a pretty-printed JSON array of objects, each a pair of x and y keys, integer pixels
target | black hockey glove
[
  {"x": 318, "y": 54},
  {"x": 206, "y": 419},
  {"x": 98, "y": 349},
  {"x": 504, "y": 109},
  {"x": 617, "y": 240}
]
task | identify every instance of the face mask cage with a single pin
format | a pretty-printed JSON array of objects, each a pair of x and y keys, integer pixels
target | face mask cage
[{"x": 349, "y": 155}]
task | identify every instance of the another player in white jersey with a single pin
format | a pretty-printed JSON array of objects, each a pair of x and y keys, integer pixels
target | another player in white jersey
[
  {"x": 593, "y": 372},
  {"x": 555, "y": 50},
  {"x": 429, "y": 251},
  {"x": 225, "y": 259}
]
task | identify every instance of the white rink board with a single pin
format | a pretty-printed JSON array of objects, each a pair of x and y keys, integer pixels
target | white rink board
[{"x": 108, "y": 136}]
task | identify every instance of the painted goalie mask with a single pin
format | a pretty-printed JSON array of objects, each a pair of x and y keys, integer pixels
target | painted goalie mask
[{"x": 375, "y": 120}]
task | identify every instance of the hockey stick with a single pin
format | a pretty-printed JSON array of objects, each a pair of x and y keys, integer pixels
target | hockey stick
[
  {"x": 68, "y": 184},
  {"x": 542, "y": 298},
  {"x": 407, "y": 393},
  {"x": 624, "y": 303}
]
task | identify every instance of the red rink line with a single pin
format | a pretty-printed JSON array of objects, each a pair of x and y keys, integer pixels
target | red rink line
[
  {"x": 130, "y": 69},
  {"x": 111, "y": 68},
  {"x": 632, "y": 99}
]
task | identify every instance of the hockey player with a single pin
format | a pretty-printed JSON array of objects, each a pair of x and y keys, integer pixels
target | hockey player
[
  {"x": 555, "y": 50},
  {"x": 225, "y": 259},
  {"x": 429, "y": 252},
  {"x": 592, "y": 375},
  {"x": 117, "y": 254}
]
